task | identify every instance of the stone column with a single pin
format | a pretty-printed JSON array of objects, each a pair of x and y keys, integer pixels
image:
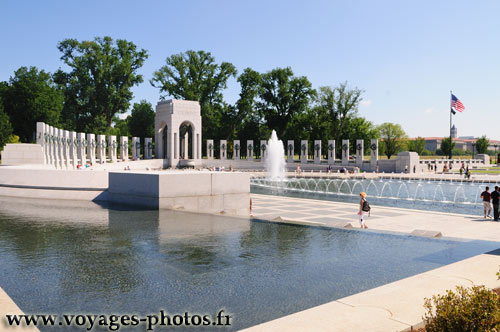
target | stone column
[
  {"x": 263, "y": 149},
  {"x": 249, "y": 150},
  {"x": 112, "y": 148},
  {"x": 40, "y": 139},
  {"x": 136, "y": 148},
  {"x": 82, "y": 148},
  {"x": 345, "y": 152},
  {"x": 148, "y": 148},
  {"x": 91, "y": 145},
  {"x": 73, "y": 149},
  {"x": 317, "y": 151},
  {"x": 360, "y": 151},
  {"x": 236, "y": 149},
  {"x": 290, "y": 151},
  {"x": 210, "y": 149},
  {"x": 331, "y": 152},
  {"x": 185, "y": 146},
  {"x": 67, "y": 147},
  {"x": 53, "y": 146},
  {"x": 60, "y": 147},
  {"x": 124, "y": 148},
  {"x": 223, "y": 149},
  {"x": 101, "y": 148},
  {"x": 374, "y": 153},
  {"x": 303, "y": 151},
  {"x": 48, "y": 152}
]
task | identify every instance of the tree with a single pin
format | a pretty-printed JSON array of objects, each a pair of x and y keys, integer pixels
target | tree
[
  {"x": 5, "y": 127},
  {"x": 283, "y": 96},
  {"x": 482, "y": 145},
  {"x": 31, "y": 96},
  {"x": 99, "y": 84},
  {"x": 341, "y": 104},
  {"x": 360, "y": 128},
  {"x": 445, "y": 146},
  {"x": 393, "y": 136},
  {"x": 195, "y": 76},
  {"x": 142, "y": 121},
  {"x": 417, "y": 145}
]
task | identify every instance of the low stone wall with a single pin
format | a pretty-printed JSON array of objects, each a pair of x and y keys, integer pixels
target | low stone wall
[
  {"x": 22, "y": 154},
  {"x": 205, "y": 192}
]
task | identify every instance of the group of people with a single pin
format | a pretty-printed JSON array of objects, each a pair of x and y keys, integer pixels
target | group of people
[{"x": 488, "y": 199}]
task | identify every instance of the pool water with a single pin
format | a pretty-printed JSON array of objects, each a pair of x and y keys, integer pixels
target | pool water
[{"x": 79, "y": 257}]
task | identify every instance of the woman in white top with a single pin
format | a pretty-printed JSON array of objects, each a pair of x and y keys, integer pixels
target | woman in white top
[{"x": 361, "y": 213}]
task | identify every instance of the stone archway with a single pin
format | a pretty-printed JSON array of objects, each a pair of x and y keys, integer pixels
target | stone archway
[{"x": 178, "y": 131}]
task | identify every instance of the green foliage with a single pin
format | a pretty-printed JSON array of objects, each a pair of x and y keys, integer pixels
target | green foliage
[
  {"x": 283, "y": 96},
  {"x": 5, "y": 127},
  {"x": 426, "y": 153},
  {"x": 31, "y": 96},
  {"x": 445, "y": 146},
  {"x": 195, "y": 76},
  {"x": 14, "y": 139},
  {"x": 393, "y": 137},
  {"x": 120, "y": 127},
  {"x": 417, "y": 145},
  {"x": 482, "y": 145},
  {"x": 99, "y": 84},
  {"x": 468, "y": 309},
  {"x": 142, "y": 121}
]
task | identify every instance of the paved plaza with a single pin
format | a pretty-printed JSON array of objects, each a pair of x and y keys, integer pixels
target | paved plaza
[{"x": 336, "y": 214}]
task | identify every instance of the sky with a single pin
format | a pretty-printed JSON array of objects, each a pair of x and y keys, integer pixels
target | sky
[{"x": 405, "y": 55}]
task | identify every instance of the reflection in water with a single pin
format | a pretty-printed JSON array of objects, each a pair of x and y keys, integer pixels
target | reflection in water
[{"x": 79, "y": 257}]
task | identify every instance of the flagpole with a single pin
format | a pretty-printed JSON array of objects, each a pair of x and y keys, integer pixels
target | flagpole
[{"x": 451, "y": 141}]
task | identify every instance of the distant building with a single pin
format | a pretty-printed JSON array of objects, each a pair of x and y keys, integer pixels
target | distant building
[
  {"x": 454, "y": 132},
  {"x": 434, "y": 143}
]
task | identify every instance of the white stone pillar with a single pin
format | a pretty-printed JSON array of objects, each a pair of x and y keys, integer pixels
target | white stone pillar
[
  {"x": 112, "y": 148},
  {"x": 60, "y": 148},
  {"x": 48, "y": 152},
  {"x": 290, "y": 151},
  {"x": 317, "y": 151},
  {"x": 185, "y": 140},
  {"x": 148, "y": 148},
  {"x": 124, "y": 148},
  {"x": 67, "y": 147},
  {"x": 101, "y": 148},
  {"x": 223, "y": 149},
  {"x": 82, "y": 149},
  {"x": 331, "y": 152},
  {"x": 54, "y": 147},
  {"x": 263, "y": 149},
  {"x": 73, "y": 149},
  {"x": 303, "y": 151},
  {"x": 345, "y": 152},
  {"x": 374, "y": 152},
  {"x": 40, "y": 139},
  {"x": 250, "y": 150},
  {"x": 210, "y": 149},
  {"x": 236, "y": 149},
  {"x": 91, "y": 144},
  {"x": 136, "y": 148},
  {"x": 360, "y": 151}
]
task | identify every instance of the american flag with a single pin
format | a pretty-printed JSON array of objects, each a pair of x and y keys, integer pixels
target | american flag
[{"x": 456, "y": 104}]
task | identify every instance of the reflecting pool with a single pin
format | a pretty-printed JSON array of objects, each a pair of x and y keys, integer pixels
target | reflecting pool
[{"x": 76, "y": 257}]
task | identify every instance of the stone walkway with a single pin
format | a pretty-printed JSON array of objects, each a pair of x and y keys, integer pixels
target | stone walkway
[{"x": 335, "y": 214}]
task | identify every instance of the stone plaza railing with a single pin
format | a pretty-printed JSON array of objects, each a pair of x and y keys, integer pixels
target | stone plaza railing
[
  {"x": 318, "y": 152},
  {"x": 68, "y": 149}
]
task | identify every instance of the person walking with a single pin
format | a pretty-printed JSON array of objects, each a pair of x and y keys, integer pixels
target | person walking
[
  {"x": 486, "y": 196},
  {"x": 495, "y": 195},
  {"x": 363, "y": 208}
]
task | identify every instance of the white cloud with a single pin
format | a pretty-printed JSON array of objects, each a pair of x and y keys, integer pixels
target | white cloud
[
  {"x": 429, "y": 110},
  {"x": 123, "y": 116},
  {"x": 366, "y": 103}
]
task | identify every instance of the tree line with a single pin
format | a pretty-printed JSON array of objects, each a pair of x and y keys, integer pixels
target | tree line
[{"x": 96, "y": 89}]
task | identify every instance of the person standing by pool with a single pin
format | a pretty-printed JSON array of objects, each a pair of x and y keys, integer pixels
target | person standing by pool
[
  {"x": 362, "y": 210},
  {"x": 495, "y": 195},
  {"x": 486, "y": 196}
]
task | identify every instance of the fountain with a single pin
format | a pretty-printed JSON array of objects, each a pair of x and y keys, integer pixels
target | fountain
[{"x": 275, "y": 159}]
